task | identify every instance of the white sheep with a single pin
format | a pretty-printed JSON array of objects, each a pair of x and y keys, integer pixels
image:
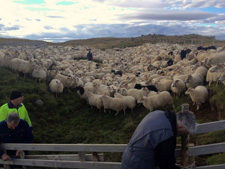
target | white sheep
[
  {"x": 159, "y": 100},
  {"x": 115, "y": 104},
  {"x": 164, "y": 85},
  {"x": 178, "y": 87},
  {"x": 137, "y": 94},
  {"x": 66, "y": 80},
  {"x": 214, "y": 73},
  {"x": 39, "y": 73},
  {"x": 193, "y": 80},
  {"x": 21, "y": 65},
  {"x": 129, "y": 101},
  {"x": 122, "y": 91},
  {"x": 56, "y": 86},
  {"x": 217, "y": 58},
  {"x": 198, "y": 95},
  {"x": 94, "y": 100}
]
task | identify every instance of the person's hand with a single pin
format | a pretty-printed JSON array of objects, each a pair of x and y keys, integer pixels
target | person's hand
[
  {"x": 18, "y": 152},
  {"x": 5, "y": 157}
]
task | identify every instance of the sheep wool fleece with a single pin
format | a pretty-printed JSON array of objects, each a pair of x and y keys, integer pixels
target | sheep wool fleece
[
  {"x": 153, "y": 143},
  {"x": 8, "y": 108}
]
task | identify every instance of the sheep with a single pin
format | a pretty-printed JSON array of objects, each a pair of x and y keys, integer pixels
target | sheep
[
  {"x": 215, "y": 59},
  {"x": 122, "y": 91},
  {"x": 178, "y": 87},
  {"x": 128, "y": 101},
  {"x": 137, "y": 94},
  {"x": 39, "y": 73},
  {"x": 198, "y": 95},
  {"x": 149, "y": 87},
  {"x": 21, "y": 65},
  {"x": 159, "y": 100},
  {"x": 193, "y": 80},
  {"x": 66, "y": 80},
  {"x": 115, "y": 104},
  {"x": 101, "y": 89},
  {"x": 214, "y": 73},
  {"x": 202, "y": 71},
  {"x": 56, "y": 86},
  {"x": 164, "y": 85},
  {"x": 81, "y": 91},
  {"x": 94, "y": 100}
]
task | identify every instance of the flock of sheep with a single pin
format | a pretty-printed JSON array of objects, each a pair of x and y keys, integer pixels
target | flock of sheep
[{"x": 148, "y": 74}]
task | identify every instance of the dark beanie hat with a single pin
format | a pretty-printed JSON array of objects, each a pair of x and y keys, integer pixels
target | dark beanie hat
[{"x": 15, "y": 94}]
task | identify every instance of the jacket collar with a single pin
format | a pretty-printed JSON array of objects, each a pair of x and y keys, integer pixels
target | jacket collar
[
  {"x": 173, "y": 120},
  {"x": 11, "y": 106}
]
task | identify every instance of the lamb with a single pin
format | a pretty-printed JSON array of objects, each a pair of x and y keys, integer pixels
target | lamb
[
  {"x": 94, "y": 100},
  {"x": 159, "y": 100},
  {"x": 56, "y": 86},
  {"x": 137, "y": 94},
  {"x": 178, "y": 87},
  {"x": 198, "y": 95},
  {"x": 128, "y": 101},
  {"x": 115, "y": 104}
]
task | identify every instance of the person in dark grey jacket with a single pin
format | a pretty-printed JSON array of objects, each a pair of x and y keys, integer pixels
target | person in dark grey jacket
[
  {"x": 153, "y": 142},
  {"x": 89, "y": 55}
]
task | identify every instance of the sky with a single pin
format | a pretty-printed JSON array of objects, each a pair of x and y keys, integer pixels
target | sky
[{"x": 63, "y": 20}]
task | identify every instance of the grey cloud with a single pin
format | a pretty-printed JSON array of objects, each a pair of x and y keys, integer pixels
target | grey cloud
[
  {"x": 203, "y": 4},
  {"x": 2, "y": 26},
  {"x": 37, "y": 20},
  {"x": 171, "y": 15},
  {"x": 220, "y": 17},
  {"x": 55, "y": 16},
  {"x": 48, "y": 27},
  {"x": 28, "y": 19},
  {"x": 64, "y": 29},
  {"x": 12, "y": 28}
]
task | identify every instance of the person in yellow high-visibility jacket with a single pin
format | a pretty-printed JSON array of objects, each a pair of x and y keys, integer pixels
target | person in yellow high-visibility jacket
[{"x": 15, "y": 105}]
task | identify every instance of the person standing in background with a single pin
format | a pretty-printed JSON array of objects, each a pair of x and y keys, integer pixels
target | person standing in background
[{"x": 89, "y": 55}]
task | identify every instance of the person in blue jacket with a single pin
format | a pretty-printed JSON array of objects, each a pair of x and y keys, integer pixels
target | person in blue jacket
[
  {"x": 14, "y": 130},
  {"x": 153, "y": 142}
]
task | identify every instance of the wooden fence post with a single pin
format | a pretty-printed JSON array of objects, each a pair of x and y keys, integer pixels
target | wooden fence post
[
  {"x": 22, "y": 156},
  {"x": 184, "y": 144}
]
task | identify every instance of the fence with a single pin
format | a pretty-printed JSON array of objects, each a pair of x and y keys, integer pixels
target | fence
[{"x": 95, "y": 160}]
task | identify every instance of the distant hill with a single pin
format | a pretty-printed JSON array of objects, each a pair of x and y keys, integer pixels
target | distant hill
[{"x": 110, "y": 42}]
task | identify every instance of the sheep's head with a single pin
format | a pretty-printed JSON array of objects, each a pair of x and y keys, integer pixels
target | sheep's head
[{"x": 189, "y": 90}]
